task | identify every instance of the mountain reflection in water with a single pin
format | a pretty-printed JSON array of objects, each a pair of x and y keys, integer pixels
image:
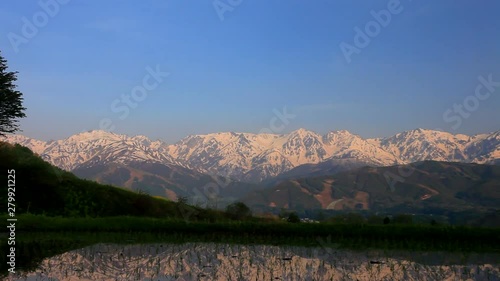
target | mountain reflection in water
[{"x": 209, "y": 261}]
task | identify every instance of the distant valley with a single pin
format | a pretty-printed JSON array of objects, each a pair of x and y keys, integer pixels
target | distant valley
[{"x": 423, "y": 187}]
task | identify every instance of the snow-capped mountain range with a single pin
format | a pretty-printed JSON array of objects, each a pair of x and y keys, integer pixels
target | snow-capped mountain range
[{"x": 255, "y": 157}]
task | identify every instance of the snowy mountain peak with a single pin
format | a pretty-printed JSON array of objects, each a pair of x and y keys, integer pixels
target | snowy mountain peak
[
  {"x": 92, "y": 135},
  {"x": 301, "y": 132},
  {"x": 341, "y": 132},
  {"x": 254, "y": 157},
  {"x": 339, "y": 136}
]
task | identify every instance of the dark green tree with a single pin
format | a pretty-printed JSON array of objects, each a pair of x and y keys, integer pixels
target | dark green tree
[
  {"x": 387, "y": 220},
  {"x": 283, "y": 213},
  {"x": 11, "y": 100},
  {"x": 293, "y": 218},
  {"x": 238, "y": 211}
]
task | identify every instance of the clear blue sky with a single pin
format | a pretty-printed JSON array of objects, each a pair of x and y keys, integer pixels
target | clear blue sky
[{"x": 229, "y": 75}]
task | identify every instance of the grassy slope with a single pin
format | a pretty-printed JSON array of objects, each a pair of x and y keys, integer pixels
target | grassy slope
[{"x": 44, "y": 189}]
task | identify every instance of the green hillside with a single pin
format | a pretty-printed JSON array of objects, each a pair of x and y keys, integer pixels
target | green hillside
[{"x": 41, "y": 188}]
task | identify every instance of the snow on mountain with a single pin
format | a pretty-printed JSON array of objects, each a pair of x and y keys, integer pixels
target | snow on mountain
[
  {"x": 259, "y": 156},
  {"x": 420, "y": 144},
  {"x": 254, "y": 157},
  {"x": 97, "y": 147},
  {"x": 37, "y": 146},
  {"x": 344, "y": 145},
  {"x": 302, "y": 146},
  {"x": 485, "y": 148}
]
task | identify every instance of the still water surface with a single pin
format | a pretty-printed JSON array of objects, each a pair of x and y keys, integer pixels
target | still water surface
[{"x": 209, "y": 261}]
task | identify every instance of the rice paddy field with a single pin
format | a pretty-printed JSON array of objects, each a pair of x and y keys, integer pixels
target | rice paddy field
[
  {"x": 220, "y": 261},
  {"x": 129, "y": 248}
]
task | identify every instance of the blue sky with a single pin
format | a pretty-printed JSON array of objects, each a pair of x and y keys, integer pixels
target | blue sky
[{"x": 232, "y": 72}]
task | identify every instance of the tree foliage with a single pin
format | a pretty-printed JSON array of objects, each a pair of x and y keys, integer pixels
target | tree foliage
[
  {"x": 11, "y": 108},
  {"x": 293, "y": 218},
  {"x": 238, "y": 211}
]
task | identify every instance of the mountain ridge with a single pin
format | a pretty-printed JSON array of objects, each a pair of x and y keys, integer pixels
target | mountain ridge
[
  {"x": 432, "y": 187},
  {"x": 256, "y": 157}
]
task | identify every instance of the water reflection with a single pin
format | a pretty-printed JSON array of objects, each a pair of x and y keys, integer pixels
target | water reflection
[{"x": 208, "y": 261}]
